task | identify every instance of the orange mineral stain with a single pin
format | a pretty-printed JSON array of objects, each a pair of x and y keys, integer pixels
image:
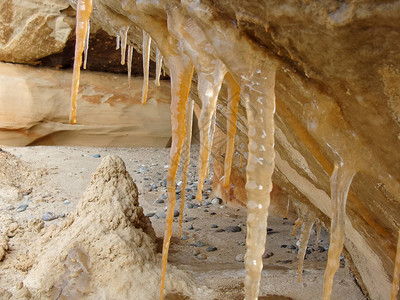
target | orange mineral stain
[
  {"x": 341, "y": 179},
  {"x": 146, "y": 63},
  {"x": 84, "y": 9},
  {"x": 186, "y": 159},
  {"x": 396, "y": 272},
  {"x": 297, "y": 223},
  {"x": 233, "y": 104},
  {"x": 181, "y": 72}
]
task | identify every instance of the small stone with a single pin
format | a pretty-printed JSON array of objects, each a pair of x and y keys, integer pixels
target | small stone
[
  {"x": 164, "y": 196},
  {"x": 176, "y": 213},
  {"x": 211, "y": 249},
  {"x": 201, "y": 256},
  {"x": 97, "y": 156},
  {"x": 159, "y": 201},
  {"x": 188, "y": 219},
  {"x": 22, "y": 207},
  {"x": 197, "y": 229},
  {"x": 320, "y": 249},
  {"x": 212, "y": 214},
  {"x": 150, "y": 214},
  {"x": 143, "y": 169},
  {"x": 49, "y": 216},
  {"x": 67, "y": 202},
  {"x": 184, "y": 237},
  {"x": 233, "y": 229},
  {"x": 240, "y": 257},
  {"x": 292, "y": 247},
  {"x": 216, "y": 201},
  {"x": 326, "y": 248},
  {"x": 190, "y": 227},
  {"x": 162, "y": 215},
  {"x": 308, "y": 251},
  {"x": 214, "y": 226},
  {"x": 267, "y": 254},
  {"x": 189, "y": 205},
  {"x": 242, "y": 243},
  {"x": 220, "y": 230},
  {"x": 208, "y": 203},
  {"x": 206, "y": 210},
  {"x": 197, "y": 244},
  {"x": 285, "y": 261},
  {"x": 283, "y": 246}
]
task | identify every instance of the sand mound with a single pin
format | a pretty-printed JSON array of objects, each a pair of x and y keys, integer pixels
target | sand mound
[{"x": 105, "y": 249}]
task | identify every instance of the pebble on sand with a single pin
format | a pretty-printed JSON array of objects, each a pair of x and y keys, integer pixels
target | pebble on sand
[
  {"x": 233, "y": 229},
  {"x": 49, "y": 216}
]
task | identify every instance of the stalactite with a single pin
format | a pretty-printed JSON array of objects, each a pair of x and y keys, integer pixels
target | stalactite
[
  {"x": 130, "y": 56},
  {"x": 181, "y": 72},
  {"x": 159, "y": 61},
  {"x": 124, "y": 41},
  {"x": 86, "y": 50},
  {"x": 186, "y": 159},
  {"x": 84, "y": 9},
  {"x": 209, "y": 86},
  {"x": 340, "y": 183},
  {"x": 146, "y": 63},
  {"x": 233, "y": 105}
]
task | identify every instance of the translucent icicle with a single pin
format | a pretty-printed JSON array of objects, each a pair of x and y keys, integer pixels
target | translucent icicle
[
  {"x": 181, "y": 71},
  {"x": 186, "y": 159},
  {"x": 84, "y": 9},
  {"x": 86, "y": 50},
  {"x": 340, "y": 183},
  {"x": 208, "y": 87},
  {"x": 303, "y": 241},
  {"x": 233, "y": 104},
  {"x": 130, "y": 55},
  {"x": 124, "y": 40},
  {"x": 146, "y": 63},
  {"x": 297, "y": 223},
  {"x": 118, "y": 40},
  {"x": 396, "y": 272},
  {"x": 259, "y": 95},
  {"x": 159, "y": 60}
]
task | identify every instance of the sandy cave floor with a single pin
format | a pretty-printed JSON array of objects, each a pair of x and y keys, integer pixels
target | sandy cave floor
[{"x": 64, "y": 173}]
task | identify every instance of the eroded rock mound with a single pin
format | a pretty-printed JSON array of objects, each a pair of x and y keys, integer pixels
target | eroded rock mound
[{"x": 104, "y": 249}]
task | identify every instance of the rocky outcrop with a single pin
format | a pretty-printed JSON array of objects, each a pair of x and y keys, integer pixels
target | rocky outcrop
[{"x": 109, "y": 114}]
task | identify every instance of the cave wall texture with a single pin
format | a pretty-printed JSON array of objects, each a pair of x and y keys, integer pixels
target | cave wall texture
[{"x": 337, "y": 91}]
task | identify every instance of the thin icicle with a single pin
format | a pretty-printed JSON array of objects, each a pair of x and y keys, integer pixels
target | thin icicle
[
  {"x": 159, "y": 61},
  {"x": 306, "y": 227},
  {"x": 146, "y": 63},
  {"x": 211, "y": 139},
  {"x": 340, "y": 183},
  {"x": 181, "y": 78},
  {"x": 118, "y": 40},
  {"x": 209, "y": 85},
  {"x": 231, "y": 118},
  {"x": 186, "y": 159},
  {"x": 86, "y": 50},
  {"x": 84, "y": 9},
  {"x": 130, "y": 55},
  {"x": 124, "y": 40}
]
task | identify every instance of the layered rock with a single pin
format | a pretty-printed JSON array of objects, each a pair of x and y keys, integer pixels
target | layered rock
[{"x": 35, "y": 108}]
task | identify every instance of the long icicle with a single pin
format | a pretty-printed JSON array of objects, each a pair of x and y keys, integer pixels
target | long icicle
[
  {"x": 186, "y": 159},
  {"x": 341, "y": 179},
  {"x": 86, "y": 50},
  {"x": 159, "y": 60},
  {"x": 209, "y": 86},
  {"x": 258, "y": 92},
  {"x": 231, "y": 118},
  {"x": 118, "y": 41},
  {"x": 124, "y": 41},
  {"x": 130, "y": 55},
  {"x": 303, "y": 241},
  {"x": 396, "y": 272},
  {"x": 146, "y": 63},
  {"x": 84, "y": 9},
  {"x": 181, "y": 71}
]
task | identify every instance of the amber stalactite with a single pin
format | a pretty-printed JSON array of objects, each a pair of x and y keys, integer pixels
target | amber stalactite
[
  {"x": 84, "y": 9},
  {"x": 181, "y": 72},
  {"x": 233, "y": 104},
  {"x": 146, "y": 63}
]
